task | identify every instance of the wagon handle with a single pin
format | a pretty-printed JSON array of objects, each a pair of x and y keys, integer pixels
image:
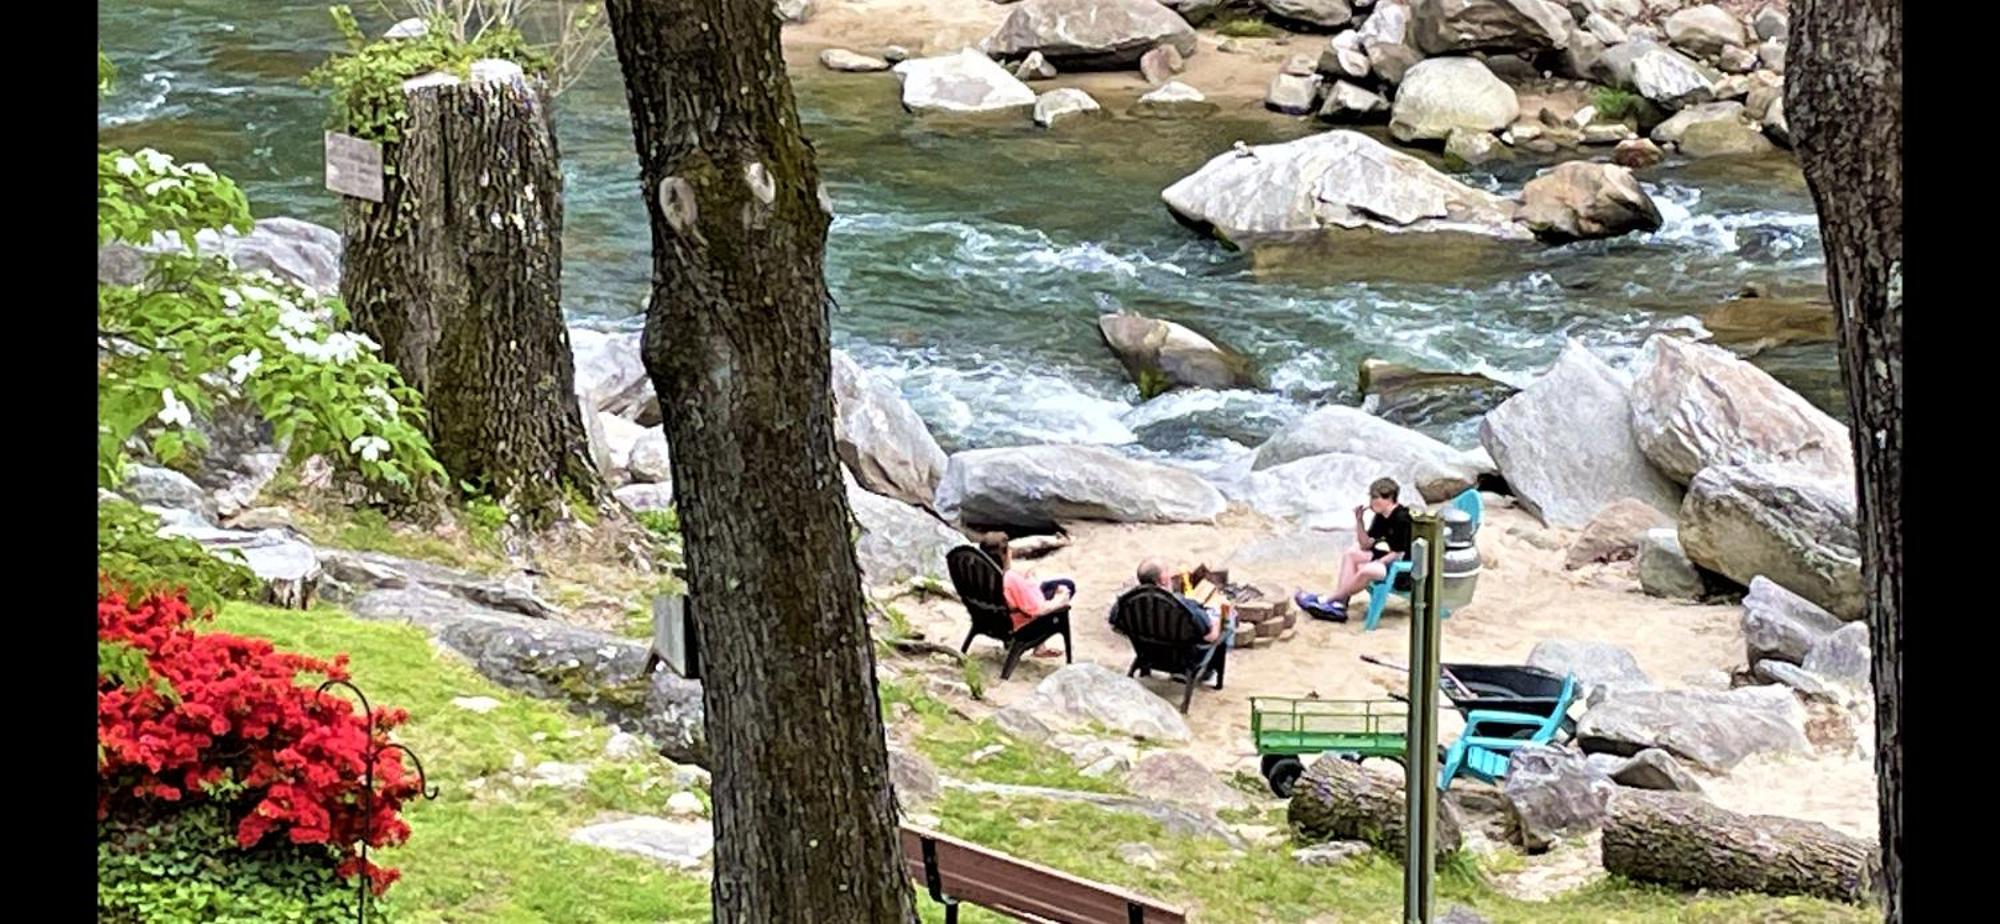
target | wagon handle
[{"x": 1444, "y": 676}]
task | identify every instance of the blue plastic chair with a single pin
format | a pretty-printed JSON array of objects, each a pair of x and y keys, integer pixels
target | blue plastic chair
[
  {"x": 1379, "y": 592},
  {"x": 1485, "y": 757}
]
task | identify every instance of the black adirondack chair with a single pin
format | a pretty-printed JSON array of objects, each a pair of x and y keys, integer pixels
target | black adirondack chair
[
  {"x": 978, "y": 581},
  {"x": 1165, "y": 638}
]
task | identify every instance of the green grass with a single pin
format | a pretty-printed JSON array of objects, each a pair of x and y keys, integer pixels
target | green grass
[
  {"x": 366, "y": 530},
  {"x": 1615, "y": 104},
  {"x": 475, "y": 858}
]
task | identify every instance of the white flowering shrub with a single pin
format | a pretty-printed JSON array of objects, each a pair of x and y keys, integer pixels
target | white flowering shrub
[{"x": 196, "y": 331}]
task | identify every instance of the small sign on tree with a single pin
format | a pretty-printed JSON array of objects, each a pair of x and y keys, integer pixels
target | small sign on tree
[{"x": 354, "y": 166}]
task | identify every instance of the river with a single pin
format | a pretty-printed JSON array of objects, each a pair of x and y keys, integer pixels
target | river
[{"x": 970, "y": 262}]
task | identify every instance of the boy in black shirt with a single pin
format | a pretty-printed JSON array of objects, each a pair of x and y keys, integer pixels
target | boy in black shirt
[{"x": 1377, "y": 545}]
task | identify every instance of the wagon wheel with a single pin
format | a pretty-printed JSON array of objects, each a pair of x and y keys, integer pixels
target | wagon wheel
[{"x": 1283, "y": 774}]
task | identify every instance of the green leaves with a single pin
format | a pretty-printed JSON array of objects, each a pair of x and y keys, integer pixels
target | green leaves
[
  {"x": 367, "y": 82},
  {"x": 196, "y": 332},
  {"x": 132, "y": 555}
]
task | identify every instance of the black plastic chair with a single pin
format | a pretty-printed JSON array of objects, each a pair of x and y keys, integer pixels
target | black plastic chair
[
  {"x": 978, "y": 581},
  {"x": 1165, "y": 638}
]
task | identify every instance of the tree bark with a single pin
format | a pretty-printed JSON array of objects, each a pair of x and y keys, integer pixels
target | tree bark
[
  {"x": 1337, "y": 800},
  {"x": 1844, "y": 100},
  {"x": 457, "y": 272},
  {"x": 1684, "y": 840},
  {"x": 737, "y": 346}
]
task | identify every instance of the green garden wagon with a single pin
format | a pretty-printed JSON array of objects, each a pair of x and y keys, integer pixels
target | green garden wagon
[{"x": 1287, "y": 729}]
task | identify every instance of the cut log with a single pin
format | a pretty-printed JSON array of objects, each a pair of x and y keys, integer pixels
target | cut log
[
  {"x": 1683, "y": 840},
  {"x": 1337, "y": 800}
]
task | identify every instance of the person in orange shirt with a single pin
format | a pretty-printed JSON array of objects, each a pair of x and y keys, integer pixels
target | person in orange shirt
[{"x": 1027, "y": 600}]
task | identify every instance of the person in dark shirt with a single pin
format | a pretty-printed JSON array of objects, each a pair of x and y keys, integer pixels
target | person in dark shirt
[
  {"x": 1377, "y": 545},
  {"x": 1216, "y": 629}
]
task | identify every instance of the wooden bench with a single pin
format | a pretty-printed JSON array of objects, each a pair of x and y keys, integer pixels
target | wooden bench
[{"x": 956, "y": 871}]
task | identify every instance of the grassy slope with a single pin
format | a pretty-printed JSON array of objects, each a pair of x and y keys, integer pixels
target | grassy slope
[{"x": 481, "y": 858}]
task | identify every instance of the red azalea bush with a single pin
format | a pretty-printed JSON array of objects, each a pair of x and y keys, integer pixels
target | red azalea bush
[{"x": 238, "y": 729}]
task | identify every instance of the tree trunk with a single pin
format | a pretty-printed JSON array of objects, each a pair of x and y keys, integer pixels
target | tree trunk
[
  {"x": 458, "y": 274},
  {"x": 1844, "y": 100},
  {"x": 1684, "y": 840},
  {"x": 737, "y": 346},
  {"x": 1337, "y": 800}
]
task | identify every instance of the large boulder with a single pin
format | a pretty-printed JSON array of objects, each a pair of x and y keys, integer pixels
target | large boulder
[
  {"x": 1695, "y": 406},
  {"x": 1037, "y": 487},
  {"x": 1565, "y": 443},
  {"x": 1615, "y": 533},
  {"x": 1676, "y": 125},
  {"x": 1781, "y": 625},
  {"x": 1438, "y": 471},
  {"x": 1660, "y": 74},
  {"x": 1085, "y": 34},
  {"x": 610, "y": 375},
  {"x": 350, "y": 574},
  {"x": 881, "y": 438},
  {"x": 287, "y": 566},
  {"x": 594, "y": 673},
  {"x": 1724, "y": 139},
  {"x": 1705, "y": 30},
  {"x": 1161, "y": 355},
  {"x": 1581, "y": 199},
  {"x": 1553, "y": 793},
  {"x": 966, "y": 82},
  {"x": 1324, "y": 14},
  {"x": 899, "y": 542},
  {"x": 1077, "y": 695},
  {"x": 1385, "y": 36},
  {"x": 1713, "y": 729},
  {"x": 1415, "y": 397},
  {"x": 1596, "y": 665},
  {"x": 1316, "y": 492},
  {"x": 293, "y": 250},
  {"x": 1445, "y": 26},
  {"x": 1292, "y": 94},
  {"x": 1334, "y": 181},
  {"x": 152, "y": 486},
  {"x": 1441, "y": 95},
  {"x": 1344, "y": 57},
  {"x": 1783, "y": 522}
]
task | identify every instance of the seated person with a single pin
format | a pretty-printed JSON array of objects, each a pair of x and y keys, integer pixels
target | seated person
[
  {"x": 1380, "y": 544},
  {"x": 1026, "y": 600},
  {"x": 1214, "y": 629}
]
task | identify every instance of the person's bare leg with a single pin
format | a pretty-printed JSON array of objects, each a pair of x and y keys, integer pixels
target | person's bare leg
[
  {"x": 1351, "y": 561},
  {"x": 1368, "y": 574}
]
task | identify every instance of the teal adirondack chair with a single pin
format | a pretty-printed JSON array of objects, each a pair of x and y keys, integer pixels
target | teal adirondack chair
[
  {"x": 1478, "y": 754},
  {"x": 1378, "y": 592}
]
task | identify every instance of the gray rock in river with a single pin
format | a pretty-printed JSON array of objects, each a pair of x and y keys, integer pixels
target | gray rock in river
[
  {"x": 1415, "y": 397},
  {"x": 1090, "y": 34},
  {"x": 1339, "y": 180},
  {"x": 1173, "y": 100},
  {"x": 1659, "y": 73},
  {"x": 1705, "y": 30},
  {"x": 964, "y": 83},
  {"x": 1060, "y": 104},
  {"x": 1581, "y": 200},
  {"x": 1037, "y": 487},
  {"x": 1162, "y": 355},
  {"x": 611, "y": 376}
]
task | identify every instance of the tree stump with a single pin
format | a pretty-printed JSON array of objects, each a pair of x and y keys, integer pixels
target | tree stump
[
  {"x": 457, "y": 272},
  {"x": 1684, "y": 840},
  {"x": 1337, "y": 800}
]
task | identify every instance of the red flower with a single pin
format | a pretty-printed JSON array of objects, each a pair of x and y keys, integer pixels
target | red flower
[{"x": 240, "y": 714}]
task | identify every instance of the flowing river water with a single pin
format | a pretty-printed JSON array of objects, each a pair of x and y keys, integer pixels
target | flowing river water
[{"x": 971, "y": 261}]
